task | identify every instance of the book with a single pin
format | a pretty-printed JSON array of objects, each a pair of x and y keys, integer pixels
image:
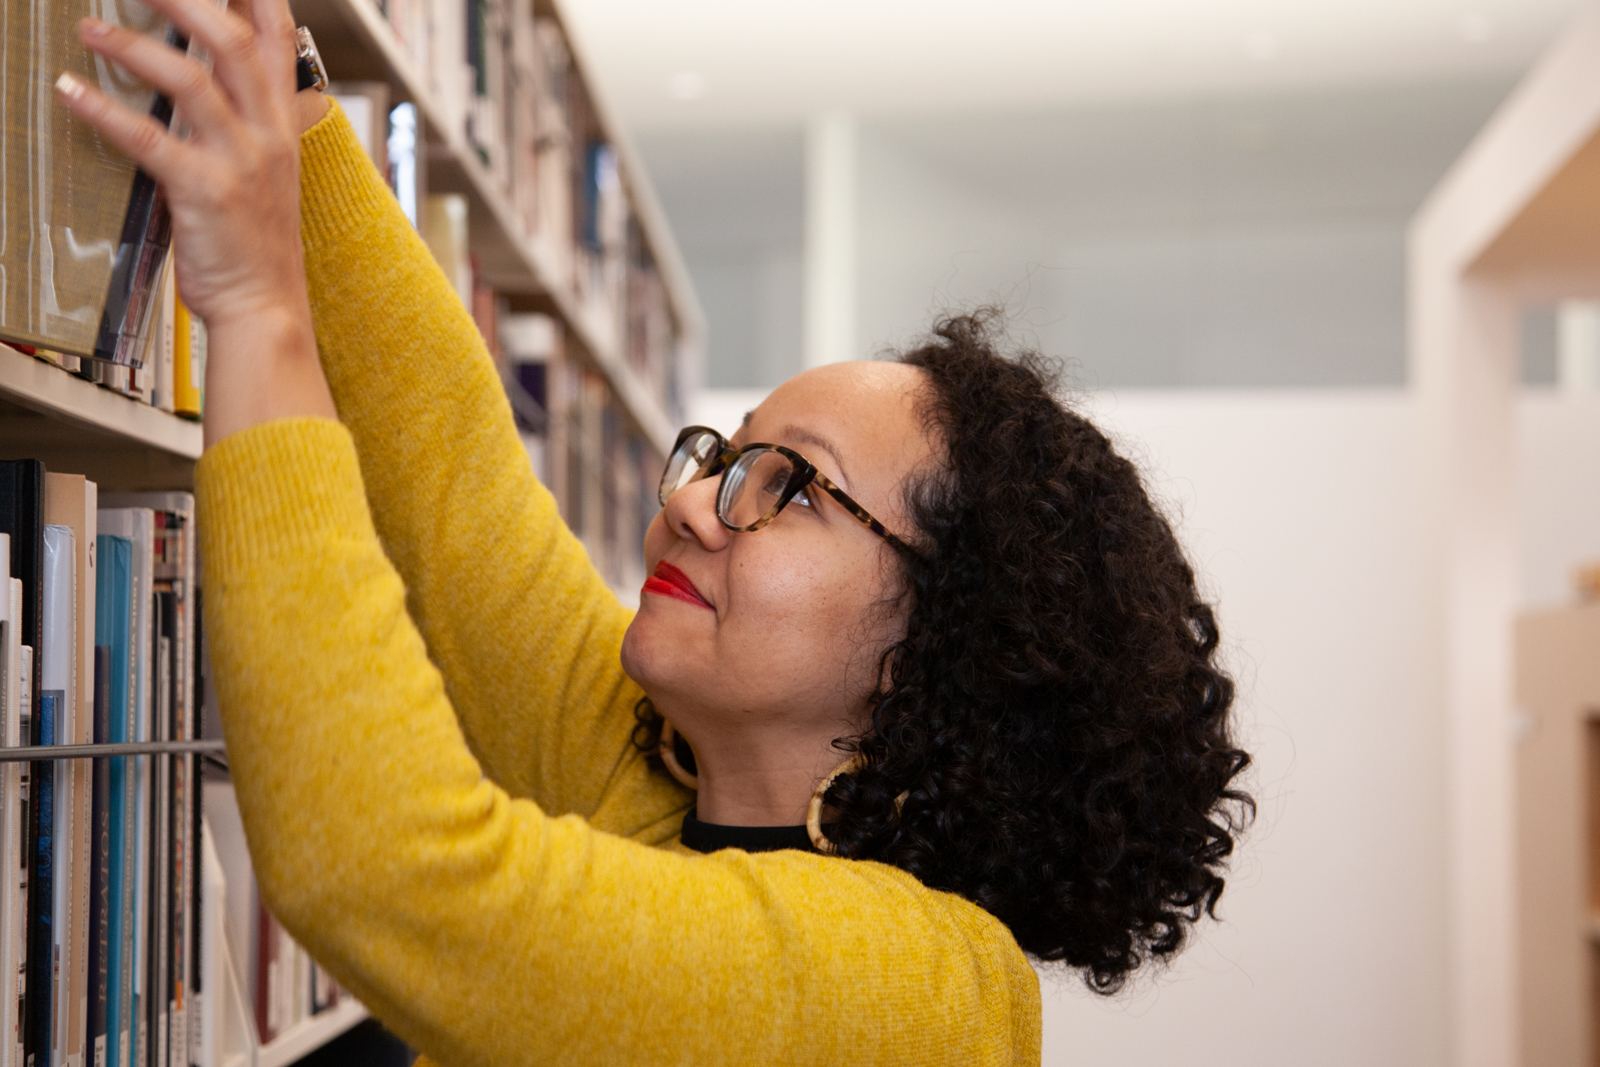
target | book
[
  {"x": 175, "y": 802},
  {"x": 22, "y": 517},
  {"x": 211, "y": 951},
  {"x": 366, "y": 105},
  {"x": 100, "y": 869},
  {"x": 49, "y": 938},
  {"x": 72, "y": 500},
  {"x": 444, "y": 230},
  {"x": 138, "y": 526},
  {"x": 185, "y": 387},
  {"x": 157, "y": 930},
  {"x": 87, "y": 228},
  {"x": 11, "y": 856},
  {"x": 22, "y": 835},
  {"x": 114, "y": 629}
]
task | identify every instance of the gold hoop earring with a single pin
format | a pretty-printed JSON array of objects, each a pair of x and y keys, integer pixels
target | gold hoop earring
[
  {"x": 669, "y": 756},
  {"x": 814, "y": 811}
]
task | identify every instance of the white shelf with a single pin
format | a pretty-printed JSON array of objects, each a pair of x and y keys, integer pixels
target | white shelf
[
  {"x": 513, "y": 262},
  {"x": 310, "y": 1034},
  {"x": 47, "y": 388}
]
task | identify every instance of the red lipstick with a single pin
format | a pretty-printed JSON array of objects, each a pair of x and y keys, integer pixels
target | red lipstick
[{"x": 670, "y": 581}]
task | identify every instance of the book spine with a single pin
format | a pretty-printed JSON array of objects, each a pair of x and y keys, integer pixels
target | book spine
[
  {"x": 41, "y": 942},
  {"x": 185, "y": 390},
  {"x": 24, "y": 868},
  {"x": 100, "y": 871}
]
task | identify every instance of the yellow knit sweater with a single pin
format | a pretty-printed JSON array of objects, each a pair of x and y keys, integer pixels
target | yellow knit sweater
[{"x": 429, "y": 729}]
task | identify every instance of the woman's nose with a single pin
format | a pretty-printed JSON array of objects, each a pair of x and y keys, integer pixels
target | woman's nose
[{"x": 691, "y": 514}]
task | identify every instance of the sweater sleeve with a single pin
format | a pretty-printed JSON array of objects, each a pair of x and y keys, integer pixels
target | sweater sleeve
[
  {"x": 522, "y": 628},
  {"x": 484, "y": 931}
]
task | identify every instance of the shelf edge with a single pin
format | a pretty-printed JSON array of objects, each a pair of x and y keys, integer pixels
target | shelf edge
[
  {"x": 47, "y": 388},
  {"x": 310, "y": 1034}
]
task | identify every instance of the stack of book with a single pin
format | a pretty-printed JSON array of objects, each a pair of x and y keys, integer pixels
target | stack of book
[
  {"x": 107, "y": 954},
  {"x": 98, "y": 932},
  {"x": 506, "y": 84},
  {"x": 88, "y": 284}
]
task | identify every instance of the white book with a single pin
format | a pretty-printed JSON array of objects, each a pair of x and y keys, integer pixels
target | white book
[
  {"x": 165, "y": 350},
  {"x": 72, "y": 500},
  {"x": 58, "y": 682},
  {"x": 138, "y": 526},
  {"x": 208, "y": 1005}
]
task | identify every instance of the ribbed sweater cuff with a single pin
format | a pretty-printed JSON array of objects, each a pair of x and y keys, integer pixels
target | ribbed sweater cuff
[
  {"x": 278, "y": 489},
  {"x": 339, "y": 186}
]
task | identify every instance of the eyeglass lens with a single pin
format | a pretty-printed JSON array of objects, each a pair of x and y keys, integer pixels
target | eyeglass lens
[
  {"x": 750, "y": 488},
  {"x": 753, "y": 486},
  {"x": 688, "y": 463}
]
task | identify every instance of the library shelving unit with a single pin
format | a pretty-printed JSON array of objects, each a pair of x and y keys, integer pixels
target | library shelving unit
[
  {"x": 1516, "y": 222},
  {"x": 604, "y": 399},
  {"x": 609, "y": 391}
]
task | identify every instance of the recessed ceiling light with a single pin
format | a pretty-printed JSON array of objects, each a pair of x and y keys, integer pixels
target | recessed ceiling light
[
  {"x": 687, "y": 85},
  {"x": 1261, "y": 46},
  {"x": 1475, "y": 27}
]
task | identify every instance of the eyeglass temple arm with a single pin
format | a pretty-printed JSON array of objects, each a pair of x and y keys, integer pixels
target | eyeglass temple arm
[{"x": 849, "y": 504}]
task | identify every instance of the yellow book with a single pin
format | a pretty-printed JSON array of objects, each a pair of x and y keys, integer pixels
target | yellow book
[{"x": 185, "y": 375}]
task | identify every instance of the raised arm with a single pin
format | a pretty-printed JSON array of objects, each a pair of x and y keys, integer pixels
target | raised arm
[
  {"x": 483, "y": 931},
  {"x": 519, "y": 622}
]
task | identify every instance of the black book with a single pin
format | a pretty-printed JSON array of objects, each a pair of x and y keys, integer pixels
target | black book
[
  {"x": 164, "y": 635},
  {"x": 141, "y": 254},
  {"x": 22, "y": 517},
  {"x": 100, "y": 866}
]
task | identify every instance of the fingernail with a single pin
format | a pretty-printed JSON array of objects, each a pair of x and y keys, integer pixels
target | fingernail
[
  {"x": 91, "y": 27},
  {"x": 69, "y": 86}
]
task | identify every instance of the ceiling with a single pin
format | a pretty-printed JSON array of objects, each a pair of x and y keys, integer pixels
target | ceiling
[{"x": 710, "y": 63}]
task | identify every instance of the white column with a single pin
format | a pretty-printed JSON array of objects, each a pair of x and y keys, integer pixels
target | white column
[
  {"x": 830, "y": 241},
  {"x": 1578, "y": 347}
]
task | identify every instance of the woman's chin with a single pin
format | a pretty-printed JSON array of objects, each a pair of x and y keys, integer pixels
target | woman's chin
[{"x": 643, "y": 649}]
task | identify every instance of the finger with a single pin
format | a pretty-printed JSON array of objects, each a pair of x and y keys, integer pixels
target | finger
[
  {"x": 143, "y": 139},
  {"x": 234, "y": 54},
  {"x": 274, "y": 24},
  {"x": 188, "y": 83}
]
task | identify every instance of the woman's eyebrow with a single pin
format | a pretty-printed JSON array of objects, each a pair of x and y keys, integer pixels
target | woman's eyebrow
[{"x": 810, "y": 438}]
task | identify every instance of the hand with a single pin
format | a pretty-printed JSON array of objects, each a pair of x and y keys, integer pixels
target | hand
[
  {"x": 234, "y": 186},
  {"x": 309, "y": 104},
  {"x": 234, "y": 192}
]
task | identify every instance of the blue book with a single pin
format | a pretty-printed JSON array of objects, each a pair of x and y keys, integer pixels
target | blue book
[
  {"x": 113, "y": 628},
  {"x": 41, "y": 887}
]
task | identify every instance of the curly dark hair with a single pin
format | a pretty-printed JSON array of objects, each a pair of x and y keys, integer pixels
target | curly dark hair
[{"x": 1055, "y": 717}]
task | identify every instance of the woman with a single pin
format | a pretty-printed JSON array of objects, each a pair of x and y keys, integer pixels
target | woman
[{"x": 914, "y": 614}]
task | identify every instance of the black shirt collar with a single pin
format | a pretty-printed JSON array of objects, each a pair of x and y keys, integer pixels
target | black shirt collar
[{"x": 711, "y": 837}]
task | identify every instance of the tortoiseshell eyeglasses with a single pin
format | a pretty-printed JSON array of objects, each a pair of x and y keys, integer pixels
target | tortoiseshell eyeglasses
[{"x": 758, "y": 480}]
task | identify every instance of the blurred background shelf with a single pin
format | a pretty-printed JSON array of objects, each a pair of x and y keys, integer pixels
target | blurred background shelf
[{"x": 358, "y": 43}]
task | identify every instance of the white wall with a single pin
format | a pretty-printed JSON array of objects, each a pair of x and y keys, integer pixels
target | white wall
[{"x": 1300, "y": 510}]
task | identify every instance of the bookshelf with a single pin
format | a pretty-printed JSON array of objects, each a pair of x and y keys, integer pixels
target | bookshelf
[
  {"x": 530, "y": 266},
  {"x": 1558, "y": 834},
  {"x": 310, "y": 1035},
  {"x": 598, "y": 406},
  {"x": 1516, "y": 221}
]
